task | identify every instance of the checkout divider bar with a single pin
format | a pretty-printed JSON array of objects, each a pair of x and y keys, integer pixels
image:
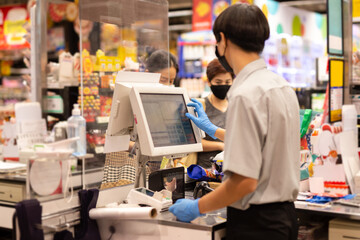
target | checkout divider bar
[{"x": 60, "y": 221}]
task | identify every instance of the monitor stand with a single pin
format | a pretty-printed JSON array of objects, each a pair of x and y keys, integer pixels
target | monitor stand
[{"x": 141, "y": 160}]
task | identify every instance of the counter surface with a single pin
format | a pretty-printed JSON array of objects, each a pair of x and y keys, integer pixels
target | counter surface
[
  {"x": 330, "y": 209},
  {"x": 211, "y": 221}
]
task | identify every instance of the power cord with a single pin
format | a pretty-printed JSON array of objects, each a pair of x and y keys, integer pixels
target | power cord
[{"x": 112, "y": 231}]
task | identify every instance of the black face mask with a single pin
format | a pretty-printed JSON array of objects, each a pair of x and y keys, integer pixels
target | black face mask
[
  {"x": 220, "y": 91},
  {"x": 223, "y": 61}
]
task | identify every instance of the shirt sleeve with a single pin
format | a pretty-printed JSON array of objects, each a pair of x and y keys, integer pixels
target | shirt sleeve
[{"x": 246, "y": 128}]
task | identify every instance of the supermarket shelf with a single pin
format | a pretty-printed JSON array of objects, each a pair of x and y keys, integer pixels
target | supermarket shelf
[
  {"x": 355, "y": 80},
  {"x": 181, "y": 13},
  {"x": 180, "y": 4},
  {"x": 60, "y": 1},
  {"x": 102, "y": 120},
  {"x": 180, "y": 27},
  {"x": 8, "y": 2},
  {"x": 104, "y": 91},
  {"x": 96, "y": 125},
  {"x": 11, "y": 58},
  {"x": 60, "y": 85},
  {"x": 356, "y": 20},
  {"x": 20, "y": 70}
]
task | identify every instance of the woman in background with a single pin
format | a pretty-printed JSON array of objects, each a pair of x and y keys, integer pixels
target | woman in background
[
  {"x": 215, "y": 107},
  {"x": 164, "y": 63}
]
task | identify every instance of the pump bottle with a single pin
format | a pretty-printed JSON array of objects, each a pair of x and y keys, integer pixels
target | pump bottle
[{"x": 76, "y": 127}]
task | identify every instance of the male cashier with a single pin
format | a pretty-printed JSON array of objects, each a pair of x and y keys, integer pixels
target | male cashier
[{"x": 261, "y": 162}]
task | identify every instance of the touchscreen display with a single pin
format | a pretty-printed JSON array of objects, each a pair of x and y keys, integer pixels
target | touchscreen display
[{"x": 165, "y": 115}]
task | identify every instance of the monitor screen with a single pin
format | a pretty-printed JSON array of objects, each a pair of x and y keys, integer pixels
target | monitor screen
[
  {"x": 161, "y": 125},
  {"x": 165, "y": 114}
]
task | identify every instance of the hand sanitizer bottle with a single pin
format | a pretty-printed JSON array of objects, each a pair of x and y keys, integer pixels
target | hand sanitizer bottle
[{"x": 76, "y": 127}]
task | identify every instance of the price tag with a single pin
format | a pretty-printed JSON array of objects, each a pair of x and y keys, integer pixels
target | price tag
[
  {"x": 102, "y": 119},
  {"x": 99, "y": 149}
]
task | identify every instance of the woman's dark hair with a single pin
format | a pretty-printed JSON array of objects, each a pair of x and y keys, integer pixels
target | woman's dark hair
[
  {"x": 214, "y": 68},
  {"x": 159, "y": 60},
  {"x": 244, "y": 25}
]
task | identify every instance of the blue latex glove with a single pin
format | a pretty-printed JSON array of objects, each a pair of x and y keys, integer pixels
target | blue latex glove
[
  {"x": 201, "y": 121},
  {"x": 186, "y": 210}
]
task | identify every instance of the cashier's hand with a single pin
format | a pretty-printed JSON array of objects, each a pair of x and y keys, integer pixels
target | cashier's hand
[
  {"x": 202, "y": 120},
  {"x": 186, "y": 210}
]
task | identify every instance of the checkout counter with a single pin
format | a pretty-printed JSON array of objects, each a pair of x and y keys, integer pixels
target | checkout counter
[
  {"x": 13, "y": 189},
  {"x": 58, "y": 214},
  {"x": 344, "y": 223},
  {"x": 165, "y": 226},
  {"x": 62, "y": 214}
]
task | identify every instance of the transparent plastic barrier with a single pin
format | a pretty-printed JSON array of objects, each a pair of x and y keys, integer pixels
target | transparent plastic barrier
[{"x": 118, "y": 35}]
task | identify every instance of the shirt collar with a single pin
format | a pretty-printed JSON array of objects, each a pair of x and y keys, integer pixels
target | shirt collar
[{"x": 245, "y": 72}]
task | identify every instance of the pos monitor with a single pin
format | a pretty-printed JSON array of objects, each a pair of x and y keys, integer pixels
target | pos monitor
[{"x": 162, "y": 127}]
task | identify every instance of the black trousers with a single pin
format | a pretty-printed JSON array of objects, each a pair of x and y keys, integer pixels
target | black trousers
[{"x": 275, "y": 221}]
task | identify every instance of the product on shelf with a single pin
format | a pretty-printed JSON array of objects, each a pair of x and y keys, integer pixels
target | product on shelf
[
  {"x": 106, "y": 81},
  {"x": 91, "y": 97},
  {"x": 194, "y": 86},
  {"x": 5, "y": 112},
  {"x": 12, "y": 91},
  {"x": 96, "y": 140},
  {"x": 105, "y": 103}
]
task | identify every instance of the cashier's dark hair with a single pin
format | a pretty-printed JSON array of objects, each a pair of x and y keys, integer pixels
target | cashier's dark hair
[
  {"x": 161, "y": 59},
  {"x": 244, "y": 25}
]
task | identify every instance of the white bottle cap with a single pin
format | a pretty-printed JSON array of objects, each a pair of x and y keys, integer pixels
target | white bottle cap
[{"x": 76, "y": 110}]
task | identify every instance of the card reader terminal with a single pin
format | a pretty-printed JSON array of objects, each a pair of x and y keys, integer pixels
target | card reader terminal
[{"x": 159, "y": 200}]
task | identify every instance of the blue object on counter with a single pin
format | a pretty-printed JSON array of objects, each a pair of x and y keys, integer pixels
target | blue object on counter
[
  {"x": 320, "y": 199},
  {"x": 199, "y": 173},
  {"x": 349, "y": 196}
]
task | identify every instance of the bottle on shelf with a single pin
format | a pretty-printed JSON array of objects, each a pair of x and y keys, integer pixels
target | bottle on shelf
[{"x": 76, "y": 127}]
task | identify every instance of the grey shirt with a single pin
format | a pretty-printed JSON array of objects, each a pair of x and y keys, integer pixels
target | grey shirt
[
  {"x": 262, "y": 138},
  {"x": 218, "y": 118}
]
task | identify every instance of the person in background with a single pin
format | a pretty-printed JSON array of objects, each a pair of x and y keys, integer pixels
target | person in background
[
  {"x": 164, "y": 63},
  {"x": 215, "y": 107},
  {"x": 261, "y": 155}
]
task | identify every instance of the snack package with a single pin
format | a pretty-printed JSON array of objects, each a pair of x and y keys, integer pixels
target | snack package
[{"x": 201, "y": 174}]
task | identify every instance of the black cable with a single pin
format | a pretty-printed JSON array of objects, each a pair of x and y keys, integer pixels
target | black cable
[{"x": 112, "y": 231}]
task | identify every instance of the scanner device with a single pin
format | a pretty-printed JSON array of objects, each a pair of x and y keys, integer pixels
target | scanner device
[{"x": 143, "y": 196}]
